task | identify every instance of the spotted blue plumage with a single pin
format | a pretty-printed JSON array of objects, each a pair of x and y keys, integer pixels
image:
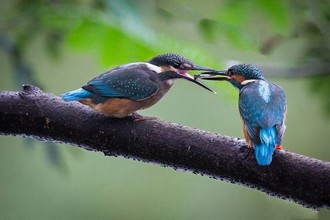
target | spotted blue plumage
[{"x": 135, "y": 81}]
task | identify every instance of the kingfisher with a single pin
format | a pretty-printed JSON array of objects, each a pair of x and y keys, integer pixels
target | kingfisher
[
  {"x": 262, "y": 107},
  {"x": 121, "y": 91}
]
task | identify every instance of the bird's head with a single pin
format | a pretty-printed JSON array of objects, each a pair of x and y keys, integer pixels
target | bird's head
[
  {"x": 176, "y": 66},
  {"x": 238, "y": 75}
]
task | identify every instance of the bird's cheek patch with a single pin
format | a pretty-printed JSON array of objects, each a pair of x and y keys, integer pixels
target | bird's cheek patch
[
  {"x": 238, "y": 78},
  {"x": 167, "y": 68}
]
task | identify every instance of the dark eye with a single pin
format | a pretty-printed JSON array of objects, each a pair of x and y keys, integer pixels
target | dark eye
[
  {"x": 230, "y": 73},
  {"x": 177, "y": 65}
]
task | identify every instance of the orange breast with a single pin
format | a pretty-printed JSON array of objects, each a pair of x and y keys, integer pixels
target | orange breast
[{"x": 238, "y": 78}]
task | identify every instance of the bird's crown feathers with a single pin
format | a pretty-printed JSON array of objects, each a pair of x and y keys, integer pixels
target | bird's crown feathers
[
  {"x": 247, "y": 70},
  {"x": 170, "y": 59}
]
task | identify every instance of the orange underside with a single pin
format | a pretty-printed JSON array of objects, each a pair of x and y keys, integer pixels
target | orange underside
[
  {"x": 247, "y": 137},
  {"x": 120, "y": 107},
  {"x": 115, "y": 107}
]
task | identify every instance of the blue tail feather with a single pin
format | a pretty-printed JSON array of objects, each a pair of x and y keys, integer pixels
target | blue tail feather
[
  {"x": 76, "y": 95},
  {"x": 265, "y": 150}
]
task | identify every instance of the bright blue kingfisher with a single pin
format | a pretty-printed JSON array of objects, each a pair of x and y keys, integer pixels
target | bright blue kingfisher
[
  {"x": 123, "y": 90},
  {"x": 262, "y": 106}
]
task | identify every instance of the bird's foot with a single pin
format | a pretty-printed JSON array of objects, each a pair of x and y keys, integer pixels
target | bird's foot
[
  {"x": 278, "y": 147},
  {"x": 250, "y": 146},
  {"x": 136, "y": 117}
]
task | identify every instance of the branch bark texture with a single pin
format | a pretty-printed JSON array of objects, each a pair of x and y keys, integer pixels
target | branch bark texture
[{"x": 43, "y": 116}]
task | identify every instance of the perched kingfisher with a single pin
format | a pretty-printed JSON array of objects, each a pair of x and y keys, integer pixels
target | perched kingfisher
[
  {"x": 262, "y": 106},
  {"x": 123, "y": 90}
]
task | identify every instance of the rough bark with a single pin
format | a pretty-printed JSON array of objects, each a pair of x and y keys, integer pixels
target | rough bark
[{"x": 43, "y": 116}]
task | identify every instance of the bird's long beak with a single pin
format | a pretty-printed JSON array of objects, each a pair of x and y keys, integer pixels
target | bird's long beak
[
  {"x": 196, "y": 67},
  {"x": 184, "y": 74},
  {"x": 192, "y": 79},
  {"x": 220, "y": 75}
]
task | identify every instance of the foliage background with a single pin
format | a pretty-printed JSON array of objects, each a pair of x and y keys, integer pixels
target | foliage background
[{"x": 60, "y": 44}]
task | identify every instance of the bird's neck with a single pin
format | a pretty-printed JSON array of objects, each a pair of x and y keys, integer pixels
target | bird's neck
[
  {"x": 168, "y": 75},
  {"x": 168, "y": 78},
  {"x": 240, "y": 85}
]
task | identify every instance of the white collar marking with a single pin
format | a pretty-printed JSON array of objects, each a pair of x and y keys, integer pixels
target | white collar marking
[{"x": 248, "y": 81}]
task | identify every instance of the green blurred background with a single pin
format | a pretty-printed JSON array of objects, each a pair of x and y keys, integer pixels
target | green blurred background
[{"x": 59, "y": 45}]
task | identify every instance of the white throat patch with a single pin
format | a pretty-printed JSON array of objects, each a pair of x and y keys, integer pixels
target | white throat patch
[{"x": 248, "y": 81}]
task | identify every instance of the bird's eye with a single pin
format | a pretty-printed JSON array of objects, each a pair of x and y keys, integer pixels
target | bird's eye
[
  {"x": 177, "y": 65},
  {"x": 230, "y": 73}
]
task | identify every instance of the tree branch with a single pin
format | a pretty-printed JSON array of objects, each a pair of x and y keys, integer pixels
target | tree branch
[{"x": 33, "y": 113}]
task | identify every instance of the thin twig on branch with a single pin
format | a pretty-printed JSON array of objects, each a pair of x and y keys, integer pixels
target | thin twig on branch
[{"x": 33, "y": 113}]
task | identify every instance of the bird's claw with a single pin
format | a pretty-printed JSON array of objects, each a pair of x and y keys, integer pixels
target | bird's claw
[
  {"x": 279, "y": 147},
  {"x": 137, "y": 117}
]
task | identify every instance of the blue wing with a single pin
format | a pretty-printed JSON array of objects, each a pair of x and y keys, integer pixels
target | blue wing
[
  {"x": 262, "y": 105},
  {"x": 135, "y": 81}
]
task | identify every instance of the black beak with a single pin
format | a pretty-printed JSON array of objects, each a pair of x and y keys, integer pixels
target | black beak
[
  {"x": 220, "y": 75},
  {"x": 196, "y": 67},
  {"x": 191, "y": 79},
  {"x": 186, "y": 76}
]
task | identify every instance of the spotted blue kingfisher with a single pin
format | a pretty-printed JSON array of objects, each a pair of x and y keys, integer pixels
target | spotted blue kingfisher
[
  {"x": 123, "y": 90},
  {"x": 262, "y": 106}
]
